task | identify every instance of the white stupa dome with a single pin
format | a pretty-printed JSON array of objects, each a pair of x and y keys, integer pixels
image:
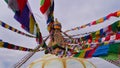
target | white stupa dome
[{"x": 51, "y": 61}]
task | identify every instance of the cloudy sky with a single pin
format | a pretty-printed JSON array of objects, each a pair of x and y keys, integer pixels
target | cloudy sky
[{"x": 70, "y": 13}]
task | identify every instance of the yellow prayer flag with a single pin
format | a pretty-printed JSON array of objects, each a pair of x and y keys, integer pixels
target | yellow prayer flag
[
  {"x": 6, "y": 26},
  {"x": 118, "y": 24},
  {"x": 1, "y": 44},
  {"x": 31, "y": 25},
  {"x": 82, "y": 54},
  {"x": 0, "y": 23},
  {"x": 20, "y": 48},
  {"x": 97, "y": 21},
  {"x": 48, "y": 28},
  {"x": 106, "y": 42},
  {"x": 13, "y": 29},
  {"x": 97, "y": 32}
]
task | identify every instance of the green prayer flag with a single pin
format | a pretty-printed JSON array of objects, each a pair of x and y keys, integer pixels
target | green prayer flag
[
  {"x": 116, "y": 26},
  {"x": 114, "y": 48},
  {"x": 42, "y": 2},
  {"x": 77, "y": 55},
  {"x": 6, "y": 1},
  {"x": 93, "y": 36},
  {"x": 110, "y": 56}
]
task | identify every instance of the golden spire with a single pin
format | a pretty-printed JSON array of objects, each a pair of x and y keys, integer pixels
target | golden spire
[{"x": 57, "y": 24}]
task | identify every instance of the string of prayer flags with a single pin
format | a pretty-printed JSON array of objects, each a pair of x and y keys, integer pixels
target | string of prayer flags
[
  {"x": 113, "y": 54},
  {"x": 97, "y": 49},
  {"x": 23, "y": 15},
  {"x": 107, "y": 31},
  {"x": 101, "y": 40},
  {"x": 39, "y": 38},
  {"x": 45, "y": 4},
  {"x": 114, "y": 14},
  {"x": 101, "y": 51},
  {"x": 47, "y": 8},
  {"x": 16, "y": 5},
  {"x": 86, "y": 53},
  {"x": 109, "y": 52},
  {"x": 14, "y": 47},
  {"x": 51, "y": 14},
  {"x": 14, "y": 29},
  {"x": 26, "y": 18}
]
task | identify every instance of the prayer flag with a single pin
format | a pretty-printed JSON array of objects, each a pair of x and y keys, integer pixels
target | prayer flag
[
  {"x": 47, "y": 8},
  {"x": 45, "y": 4}
]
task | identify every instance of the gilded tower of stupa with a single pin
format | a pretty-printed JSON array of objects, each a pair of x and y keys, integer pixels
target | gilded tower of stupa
[{"x": 56, "y": 35}]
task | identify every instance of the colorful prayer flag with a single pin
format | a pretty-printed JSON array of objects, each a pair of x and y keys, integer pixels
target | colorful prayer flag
[
  {"x": 14, "y": 47},
  {"x": 47, "y": 8},
  {"x": 25, "y": 17},
  {"x": 16, "y": 5},
  {"x": 45, "y": 4}
]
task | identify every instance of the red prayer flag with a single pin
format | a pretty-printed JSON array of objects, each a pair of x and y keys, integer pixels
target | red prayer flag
[
  {"x": 21, "y": 4},
  {"x": 45, "y": 6},
  {"x": 107, "y": 38},
  {"x": 109, "y": 28},
  {"x": 117, "y": 36},
  {"x": 94, "y": 22},
  {"x": 115, "y": 14}
]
